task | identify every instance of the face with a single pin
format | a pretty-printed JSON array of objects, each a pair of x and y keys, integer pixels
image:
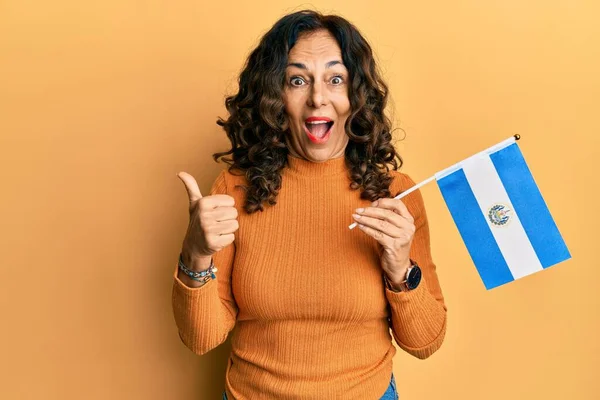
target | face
[{"x": 316, "y": 98}]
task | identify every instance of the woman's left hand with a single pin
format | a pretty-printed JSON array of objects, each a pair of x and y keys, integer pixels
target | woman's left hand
[{"x": 389, "y": 222}]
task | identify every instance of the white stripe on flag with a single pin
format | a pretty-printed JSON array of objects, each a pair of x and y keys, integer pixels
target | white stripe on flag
[{"x": 511, "y": 238}]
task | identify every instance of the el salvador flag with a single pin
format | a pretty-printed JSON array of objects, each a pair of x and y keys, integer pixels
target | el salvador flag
[{"x": 501, "y": 215}]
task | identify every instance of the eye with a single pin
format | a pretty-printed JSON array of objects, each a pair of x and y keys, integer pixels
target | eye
[
  {"x": 337, "y": 80},
  {"x": 296, "y": 81}
]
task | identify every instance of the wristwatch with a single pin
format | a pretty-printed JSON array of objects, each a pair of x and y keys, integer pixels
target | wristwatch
[{"x": 412, "y": 280}]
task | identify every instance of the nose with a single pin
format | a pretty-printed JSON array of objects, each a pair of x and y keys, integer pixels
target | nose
[{"x": 318, "y": 95}]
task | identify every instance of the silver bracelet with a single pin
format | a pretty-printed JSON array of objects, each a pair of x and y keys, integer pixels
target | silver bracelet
[{"x": 200, "y": 276}]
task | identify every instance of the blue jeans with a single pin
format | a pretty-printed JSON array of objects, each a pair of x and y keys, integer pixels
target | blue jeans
[{"x": 390, "y": 393}]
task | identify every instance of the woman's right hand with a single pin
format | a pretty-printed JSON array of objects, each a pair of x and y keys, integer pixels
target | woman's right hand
[{"x": 213, "y": 220}]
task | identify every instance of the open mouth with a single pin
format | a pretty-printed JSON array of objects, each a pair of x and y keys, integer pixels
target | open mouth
[{"x": 318, "y": 131}]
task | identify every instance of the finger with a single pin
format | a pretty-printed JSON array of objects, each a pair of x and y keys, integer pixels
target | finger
[
  {"x": 382, "y": 225},
  {"x": 224, "y": 240},
  {"x": 381, "y": 214},
  {"x": 217, "y": 200},
  {"x": 225, "y": 227},
  {"x": 221, "y": 214},
  {"x": 191, "y": 186},
  {"x": 397, "y": 206},
  {"x": 381, "y": 237}
]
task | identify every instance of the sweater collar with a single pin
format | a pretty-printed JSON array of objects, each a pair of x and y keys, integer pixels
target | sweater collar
[{"x": 303, "y": 167}]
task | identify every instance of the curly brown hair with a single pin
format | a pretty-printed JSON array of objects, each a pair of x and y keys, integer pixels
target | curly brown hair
[{"x": 257, "y": 123}]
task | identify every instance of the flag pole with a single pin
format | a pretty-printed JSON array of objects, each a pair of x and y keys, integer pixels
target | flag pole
[{"x": 419, "y": 185}]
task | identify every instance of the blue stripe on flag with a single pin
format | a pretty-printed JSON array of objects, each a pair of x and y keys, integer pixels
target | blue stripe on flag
[
  {"x": 474, "y": 230},
  {"x": 530, "y": 206}
]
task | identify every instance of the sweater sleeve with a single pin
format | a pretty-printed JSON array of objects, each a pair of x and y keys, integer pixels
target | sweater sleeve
[
  {"x": 205, "y": 315},
  {"x": 418, "y": 317}
]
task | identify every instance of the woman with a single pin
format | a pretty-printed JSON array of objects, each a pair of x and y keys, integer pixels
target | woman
[{"x": 312, "y": 301}]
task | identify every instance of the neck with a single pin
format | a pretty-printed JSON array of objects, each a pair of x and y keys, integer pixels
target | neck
[{"x": 333, "y": 167}]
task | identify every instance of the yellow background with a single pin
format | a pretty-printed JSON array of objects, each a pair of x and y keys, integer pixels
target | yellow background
[{"x": 103, "y": 102}]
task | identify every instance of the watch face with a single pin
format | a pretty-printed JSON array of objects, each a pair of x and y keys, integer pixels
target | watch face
[{"x": 414, "y": 278}]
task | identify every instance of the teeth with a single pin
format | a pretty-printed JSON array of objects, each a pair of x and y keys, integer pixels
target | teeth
[{"x": 317, "y": 122}]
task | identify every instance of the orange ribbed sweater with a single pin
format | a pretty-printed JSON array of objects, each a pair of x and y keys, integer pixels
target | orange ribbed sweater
[{"x": 306, "y": 294}]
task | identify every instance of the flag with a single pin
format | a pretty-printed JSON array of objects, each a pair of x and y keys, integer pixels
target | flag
[{"x": 501, "y": 215}]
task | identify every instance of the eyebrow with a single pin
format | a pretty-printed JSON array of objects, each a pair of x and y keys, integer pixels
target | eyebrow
[{"x": 328, "y": 65}]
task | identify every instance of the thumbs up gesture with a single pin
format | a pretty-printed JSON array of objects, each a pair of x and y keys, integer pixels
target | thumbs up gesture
[{"x": 213, "y": 221}]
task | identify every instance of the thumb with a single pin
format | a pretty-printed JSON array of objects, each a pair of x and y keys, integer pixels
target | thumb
[{"x": 191, "y": 186}]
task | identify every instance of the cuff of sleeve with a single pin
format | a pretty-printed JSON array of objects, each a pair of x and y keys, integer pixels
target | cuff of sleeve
[
  {"x": 197, "y": 310},
  {"x": 417, "y": 317}
]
